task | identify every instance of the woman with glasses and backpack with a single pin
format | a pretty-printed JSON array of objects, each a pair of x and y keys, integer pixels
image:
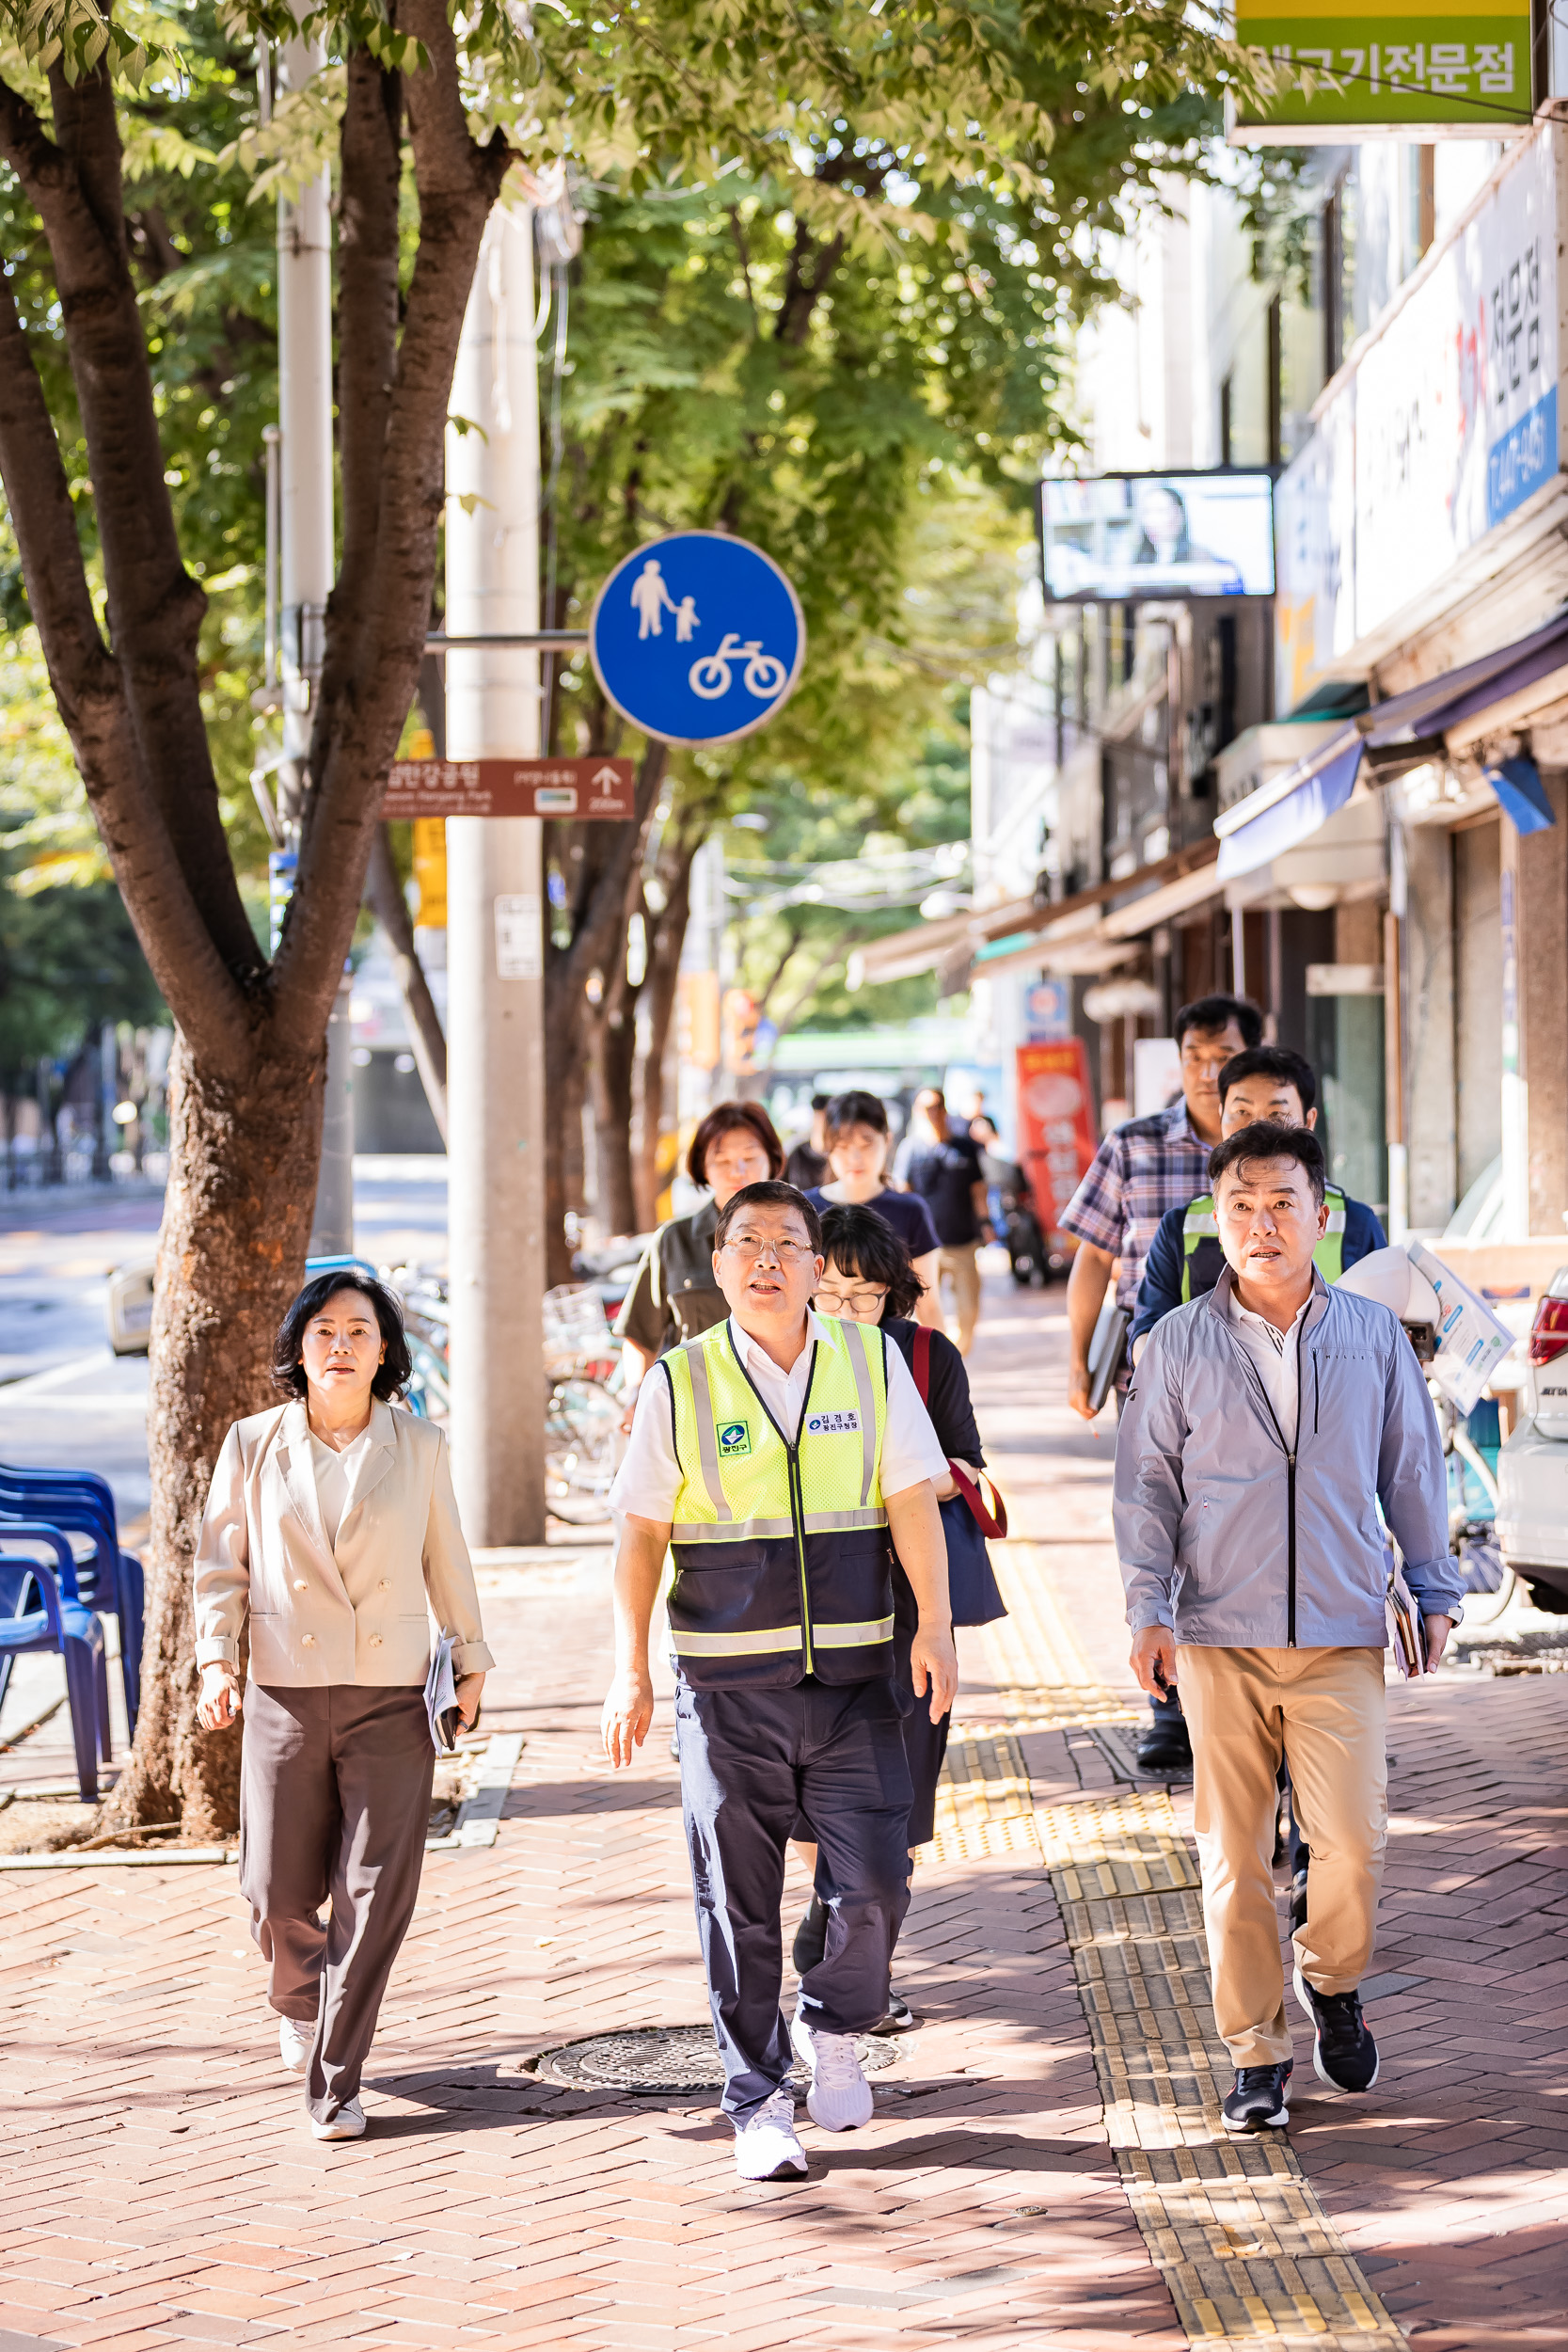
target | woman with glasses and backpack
[{"x": 868, "y": 1278}]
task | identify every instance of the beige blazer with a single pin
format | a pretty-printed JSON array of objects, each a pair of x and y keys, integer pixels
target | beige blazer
[{"x": 359, "y": 1612}]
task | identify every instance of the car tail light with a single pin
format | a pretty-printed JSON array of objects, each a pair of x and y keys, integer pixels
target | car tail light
[{"x": 1548, "y": 1337}]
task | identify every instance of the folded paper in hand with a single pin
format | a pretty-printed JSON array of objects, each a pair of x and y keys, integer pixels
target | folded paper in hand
[
  {"x": 1407, "y": 1636},
  {"x": 440, "y": 1698}
]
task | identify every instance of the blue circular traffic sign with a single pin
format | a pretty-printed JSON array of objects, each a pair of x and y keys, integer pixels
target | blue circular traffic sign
[{"x": 697, "y": 638}]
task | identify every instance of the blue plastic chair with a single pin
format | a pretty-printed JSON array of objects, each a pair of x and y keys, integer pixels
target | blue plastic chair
[
  {"x": 80, "y": 1502},
  {"x": 40, "y": 1610}
]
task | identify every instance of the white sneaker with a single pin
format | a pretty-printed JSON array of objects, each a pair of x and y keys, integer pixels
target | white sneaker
[
  {"x": 766, "y": 2148},
  {"x": 348, "y": 2123},
  {"x": 296, "y": 2041},
  {"x": 840, "y": 2097}
]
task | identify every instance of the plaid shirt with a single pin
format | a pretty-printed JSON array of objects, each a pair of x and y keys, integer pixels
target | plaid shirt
[{"x": 1140, "y": 1170}]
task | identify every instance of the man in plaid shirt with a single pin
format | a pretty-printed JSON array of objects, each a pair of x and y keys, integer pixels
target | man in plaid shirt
[{"x": 1143, "y": 1169}]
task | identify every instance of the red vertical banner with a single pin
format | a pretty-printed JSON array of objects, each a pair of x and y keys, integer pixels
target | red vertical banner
[{"x": 1056, "y": 1120}]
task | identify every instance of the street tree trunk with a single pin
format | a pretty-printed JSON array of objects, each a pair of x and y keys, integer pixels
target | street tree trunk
[
  {"x": 666, "y": 938},
  {"x": 599, "y": 863},
  {"x": 613, "y": 1065},
  {"x": 248, "y": 1069}
]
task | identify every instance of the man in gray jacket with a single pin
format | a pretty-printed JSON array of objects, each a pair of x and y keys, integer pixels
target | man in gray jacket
[{"x": 1265, "y": 1424}]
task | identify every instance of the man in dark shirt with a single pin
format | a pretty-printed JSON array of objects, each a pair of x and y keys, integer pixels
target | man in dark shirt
[{"x": 942, "y": 1163}]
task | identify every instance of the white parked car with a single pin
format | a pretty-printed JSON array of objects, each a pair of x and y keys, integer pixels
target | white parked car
[{"x": 1532, "y": 1468}]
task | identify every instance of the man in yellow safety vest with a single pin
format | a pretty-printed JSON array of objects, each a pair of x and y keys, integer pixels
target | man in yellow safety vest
[{"x": 776, "y": 1455}]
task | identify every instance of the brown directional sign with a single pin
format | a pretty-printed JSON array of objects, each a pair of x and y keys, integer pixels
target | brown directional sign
[{"x": 578, "y": 788}]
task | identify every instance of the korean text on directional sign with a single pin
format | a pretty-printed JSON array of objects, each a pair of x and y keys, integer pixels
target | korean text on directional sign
[
  {"x": 697, "y": 638},
  {"x": 579, "y": 788},
  {"x": 1398, "y": 61}
]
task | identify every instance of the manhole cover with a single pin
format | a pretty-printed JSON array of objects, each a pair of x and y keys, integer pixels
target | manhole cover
[{"x": 673, "y": 2061}]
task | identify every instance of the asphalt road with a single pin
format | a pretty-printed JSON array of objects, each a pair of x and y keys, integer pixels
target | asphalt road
[{"x": 64, "y": 1397}]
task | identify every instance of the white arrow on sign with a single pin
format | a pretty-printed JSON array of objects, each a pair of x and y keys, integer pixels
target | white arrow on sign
[{"x": 605, "y": 779}]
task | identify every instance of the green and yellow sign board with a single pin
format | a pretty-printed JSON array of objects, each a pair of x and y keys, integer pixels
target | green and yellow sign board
[{"x": 1400, "y": 64}]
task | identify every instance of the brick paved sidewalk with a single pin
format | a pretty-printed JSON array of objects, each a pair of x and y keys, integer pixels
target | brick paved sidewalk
[{"x": 160, "y": 2188}]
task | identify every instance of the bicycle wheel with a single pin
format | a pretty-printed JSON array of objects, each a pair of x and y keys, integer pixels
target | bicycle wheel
[{"x": 583, "y": 1446}]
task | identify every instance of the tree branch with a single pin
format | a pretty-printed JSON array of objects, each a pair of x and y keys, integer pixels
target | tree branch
[
  {"x": 367, "y": 345},
  {"x": 90, "y": 689},
  {"x": 458, "y": 181},
  {"x": 155, "y": 607}
]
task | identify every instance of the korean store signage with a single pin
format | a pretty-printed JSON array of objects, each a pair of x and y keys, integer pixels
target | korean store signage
[
  {"x": 1403, "y": 65},
  {"x": 1447, "y": 425},
  {"x": 1055, "y": 1122},
  {"x": 1456, "y": 404}
]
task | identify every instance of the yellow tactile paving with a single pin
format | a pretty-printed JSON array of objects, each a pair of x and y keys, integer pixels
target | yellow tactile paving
[{"x": 1247, "y": 2252}]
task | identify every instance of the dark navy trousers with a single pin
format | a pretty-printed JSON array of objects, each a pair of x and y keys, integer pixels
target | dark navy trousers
[{"x": 752, "y": 1761}]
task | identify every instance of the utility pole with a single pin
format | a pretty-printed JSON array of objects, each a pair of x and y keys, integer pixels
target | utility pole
[
  {"x": 306, "y": 566},
  {"x": 495, "y": 890}
]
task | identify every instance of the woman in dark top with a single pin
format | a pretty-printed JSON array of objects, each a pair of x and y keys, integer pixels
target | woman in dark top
[
  {"x": 674, "y": 1295},
  {"x": 858, "y": 1141},
  {"x": 867, "y": 1278}
]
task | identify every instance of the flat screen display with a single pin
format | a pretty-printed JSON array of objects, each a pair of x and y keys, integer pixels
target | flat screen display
[{"x": 1122, "y": 538}]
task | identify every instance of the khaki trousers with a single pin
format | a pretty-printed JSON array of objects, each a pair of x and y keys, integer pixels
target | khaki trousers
[
  {"x": 958, "y": 1262},
  {"x": 1321, "y": 1711}
]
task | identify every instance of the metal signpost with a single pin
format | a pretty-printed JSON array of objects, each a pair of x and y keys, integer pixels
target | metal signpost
[{"x": 697, "y": 638}]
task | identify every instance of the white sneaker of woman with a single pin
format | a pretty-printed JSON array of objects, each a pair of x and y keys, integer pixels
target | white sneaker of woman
[
  {"x": 766, "y": 2148},
  {"x": 840, "y": 2097}
]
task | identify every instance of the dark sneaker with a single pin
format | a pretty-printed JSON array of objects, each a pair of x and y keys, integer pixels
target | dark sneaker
[
  {"x": 1344, "y": 2055},
  {"x": 1257, "y": 2099},
  {"x": 1164, "y": 1747},
  {"x": 810, "y": 1937},
  {"x": 1298, "y": 1902},
  {"x": 900, "y": 2017}
]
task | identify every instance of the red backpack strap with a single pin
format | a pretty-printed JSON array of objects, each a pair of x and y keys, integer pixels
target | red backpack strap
[
  {"x": 921, "y": 1366},
  {"x": 983, "y": 1498}
]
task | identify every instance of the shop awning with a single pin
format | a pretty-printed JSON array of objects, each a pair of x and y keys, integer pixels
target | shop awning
[
  {"x": 1291, "y": 807},
  {"x": 1073, "y": 935}
]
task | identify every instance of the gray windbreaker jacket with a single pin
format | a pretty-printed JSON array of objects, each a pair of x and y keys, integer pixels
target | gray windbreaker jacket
[{"x": 1227, "y": 1535}]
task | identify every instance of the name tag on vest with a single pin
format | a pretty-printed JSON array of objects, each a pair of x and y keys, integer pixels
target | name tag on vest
[{"x": 832, "y": 1424}]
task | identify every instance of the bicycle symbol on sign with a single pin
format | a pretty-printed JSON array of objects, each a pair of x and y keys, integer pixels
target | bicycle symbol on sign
[{"x": 764, "y": 675}]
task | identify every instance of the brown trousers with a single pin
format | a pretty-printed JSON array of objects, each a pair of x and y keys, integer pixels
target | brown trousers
[
  {"x": 1323, "y": 1713},
  {"x": 334, "y": 1803}
]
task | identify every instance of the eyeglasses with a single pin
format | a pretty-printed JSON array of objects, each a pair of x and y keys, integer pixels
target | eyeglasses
[
  {"x": 758, "y": 1247},
  {"x": 859, "y": 1306}
]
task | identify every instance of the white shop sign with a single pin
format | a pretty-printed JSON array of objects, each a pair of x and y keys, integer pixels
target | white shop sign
[{"x": 1449, "y": 423}]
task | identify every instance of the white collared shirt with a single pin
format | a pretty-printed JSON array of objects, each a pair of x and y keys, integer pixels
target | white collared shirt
[
  {"x": 334, "y": 1474},
  {"x": 649, "y": 1478},
  {"x": 1277, "y": 1357}
]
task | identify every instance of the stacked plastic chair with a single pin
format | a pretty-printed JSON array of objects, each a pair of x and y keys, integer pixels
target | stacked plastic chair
[
  {"x": 109, "y": 1581},
  {"x": 41, "y": 1609}
]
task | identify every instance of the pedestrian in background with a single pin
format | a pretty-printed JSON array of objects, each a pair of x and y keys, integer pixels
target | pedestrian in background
[
  {"x": 859, "y": 1143},
  {"x": 779, "y": 1453},
  {"x": 939, "y": 1162},
  {"x": 807, "y": 1164},
  {"x": 867, "y": 1278},
  {"x": 1265, "y": 1427},
  {"x": 674, "y": 1294},
  {"x": 331, "y": 1529},
  {"x": 1143, "y": 1169}
]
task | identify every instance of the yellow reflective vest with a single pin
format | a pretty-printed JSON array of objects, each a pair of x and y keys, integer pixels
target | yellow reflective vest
[{"x": 782, "y": 1565}]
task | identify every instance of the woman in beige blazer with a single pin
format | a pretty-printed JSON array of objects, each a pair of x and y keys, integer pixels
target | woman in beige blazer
[{"x": 331, "y": 1530}]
